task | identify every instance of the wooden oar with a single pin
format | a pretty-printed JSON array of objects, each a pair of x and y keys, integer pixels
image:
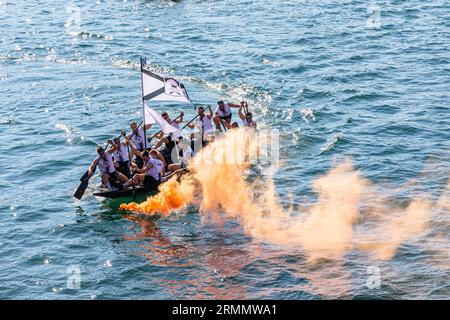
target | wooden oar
[
  {"x": 85, "y": 178},
  {"x": 190, "y": 121},
  {"x": 221, "y": 122}
]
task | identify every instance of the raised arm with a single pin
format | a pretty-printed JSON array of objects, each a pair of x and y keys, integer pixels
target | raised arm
[
  {"x": 233, "y": 105},
  {"x": 133, "y": 149},
  {"x": 113, "y": 147},
  {"x": 210, "y": 115},
  {"x": 241, "y": 114},
  {"x": 180, "y": 119}
]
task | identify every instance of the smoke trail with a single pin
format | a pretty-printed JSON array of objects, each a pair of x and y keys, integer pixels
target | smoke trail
[
  {"x": 329, "y": 228},
  {"x": 173, "y": 195}
]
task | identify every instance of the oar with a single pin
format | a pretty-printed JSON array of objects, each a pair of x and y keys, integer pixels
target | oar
[
  {"x": 85, "y": 178},
  {"x": 190, "y": 121},
  {"x": 221, "y": 122}
]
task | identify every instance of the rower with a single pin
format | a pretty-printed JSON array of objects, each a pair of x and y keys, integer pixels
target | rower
[
  {"x": 106, "y": 166},
  {"x": 137, "y": 137},
  {"x": 247, "y": 118},
  {"x": 223, "y": 114},
  {"x": 184, "y": 154},
  {"x": 151, "y": 173},
  {"x": 120, "y": 155},
  {"x": 204, "y": 123}
]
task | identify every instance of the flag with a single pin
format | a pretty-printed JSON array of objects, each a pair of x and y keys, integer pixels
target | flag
[
  {"x": 161, "y": 88},
  {"x": 151, "y": 116}
]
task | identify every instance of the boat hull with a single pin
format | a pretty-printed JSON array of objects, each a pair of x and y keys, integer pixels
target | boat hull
[
  {"x": 131, "y": 192},
  {"x": 127, "y": 192}
]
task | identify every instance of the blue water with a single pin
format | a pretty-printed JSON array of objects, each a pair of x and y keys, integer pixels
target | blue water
[{"x": 379, "y": 95}]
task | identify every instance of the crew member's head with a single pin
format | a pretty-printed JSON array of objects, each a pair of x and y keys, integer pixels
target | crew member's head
[
  {"x": 165, "y": 116},
  {"x": 234, "y": 125},
  {"x": 221, "y": 105},
  {"x": 201, "y": 111},
  {"x": 249, "y": 116},
  {"x": 154, "y": 153},
  {"x": 101, "y": 151},
  {"x": 116, "y": 140},
  {"x": 145, "y": 155},
  {"x": 133, "y": 126}
]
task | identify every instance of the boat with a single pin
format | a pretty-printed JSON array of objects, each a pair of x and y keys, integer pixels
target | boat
[
  {"x": 126, "y": 192},
  {"x": 155, "y": 87},
  {"x": 133, "y": 192}
]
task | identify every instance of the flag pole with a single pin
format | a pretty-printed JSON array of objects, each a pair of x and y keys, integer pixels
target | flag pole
[{"x": 142, "y": 61}]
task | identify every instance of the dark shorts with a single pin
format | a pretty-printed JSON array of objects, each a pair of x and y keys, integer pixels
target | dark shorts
[
  {"x": 113, "y": 176},
  {"x": 150, "y": 182},
  {"x": 226, "y": 118},
  {"x": 124, "y": 167}
]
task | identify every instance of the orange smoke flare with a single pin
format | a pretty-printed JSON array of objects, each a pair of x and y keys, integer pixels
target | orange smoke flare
[
  {"x": 172, "y": 195},
  {"x": 328, "y": 228}
]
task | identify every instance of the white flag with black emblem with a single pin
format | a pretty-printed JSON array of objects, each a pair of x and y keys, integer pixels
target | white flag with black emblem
[{"x": 162, "y": 88}]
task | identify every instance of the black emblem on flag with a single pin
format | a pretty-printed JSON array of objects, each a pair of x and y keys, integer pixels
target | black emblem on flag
[{"x": 173, "y": 87}]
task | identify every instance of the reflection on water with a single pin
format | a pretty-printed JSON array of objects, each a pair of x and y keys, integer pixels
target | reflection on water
[{"x": 221, "y": 268}]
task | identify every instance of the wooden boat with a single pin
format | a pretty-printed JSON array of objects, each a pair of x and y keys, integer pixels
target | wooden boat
[
  {"x": 126, "y": 192},
  {"x": 134, "y": 192}
]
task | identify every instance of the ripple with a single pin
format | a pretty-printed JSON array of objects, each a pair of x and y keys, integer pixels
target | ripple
[
  {"x": 332, "y": 143},
  {"x": 312, "y": 70}
]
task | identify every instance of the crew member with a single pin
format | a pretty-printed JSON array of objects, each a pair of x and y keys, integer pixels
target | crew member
[
  {"x": 223, "y": 114},
  {"x": 121, "y": 156},
  {"x": 107, "y": 170}
]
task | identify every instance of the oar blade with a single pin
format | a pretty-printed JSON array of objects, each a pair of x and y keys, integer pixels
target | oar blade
[
  {"x": 85, "y": 176},
  {"x": 81, "y": 189}
]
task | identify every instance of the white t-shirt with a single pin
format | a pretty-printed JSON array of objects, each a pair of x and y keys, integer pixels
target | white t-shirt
[
  {"x": 249, "y": 124},
  {"x": 205, "y": 124},
  {"x": 121, "y": 154},
  {"x": 138, "y": 139},
  {"x": 106, "y": 165},
  {"x": 226, "y": 111},
  {"x": 156, "y": 170}
]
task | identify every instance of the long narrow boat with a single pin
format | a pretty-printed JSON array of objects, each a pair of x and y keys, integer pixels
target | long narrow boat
[
  {"x": 126, "y": 192},
  {"x": 154, "y": 88},
  {"x": 133, "y": 192}
]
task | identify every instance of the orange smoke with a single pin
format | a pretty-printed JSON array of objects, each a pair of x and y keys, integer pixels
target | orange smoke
[
  {"x": 173, "y": 195},
  {"x": 328, "y": 228}
]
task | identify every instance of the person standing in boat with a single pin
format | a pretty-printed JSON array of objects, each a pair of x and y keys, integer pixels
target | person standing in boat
[
  {"x": 108, "y": 172},
  {"x": 121, "y": 156},
  {"x": 223, "y": 114},
  {"x": 150, "y": 174},
  {"x": 204, "y": 124},
  {"x": 247, "y": 118},
  {"x": 137, "y": 137}
]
